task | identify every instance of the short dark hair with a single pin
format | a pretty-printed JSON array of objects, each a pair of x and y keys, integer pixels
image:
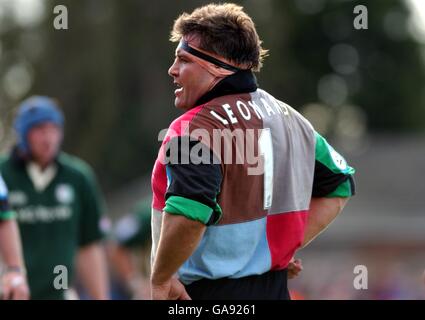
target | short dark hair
[{"x": 224, "y": 29}]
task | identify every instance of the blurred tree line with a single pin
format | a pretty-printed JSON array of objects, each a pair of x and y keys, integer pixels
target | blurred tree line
[{"x": 109, "y": 69}]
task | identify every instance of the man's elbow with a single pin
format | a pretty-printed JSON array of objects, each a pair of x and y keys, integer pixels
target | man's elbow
[
  {"x": 325, "y": 210},
  {"x": 342, "y": 203}
]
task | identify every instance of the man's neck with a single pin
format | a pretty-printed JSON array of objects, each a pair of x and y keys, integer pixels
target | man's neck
[
  {"x": 41, "y": 175},
  {"x": 239, "y": 82}
]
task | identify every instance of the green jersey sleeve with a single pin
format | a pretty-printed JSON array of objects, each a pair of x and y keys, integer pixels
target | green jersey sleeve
[
  {"x": 92, "y": 209},
  {"x": 333, "y": 177}
]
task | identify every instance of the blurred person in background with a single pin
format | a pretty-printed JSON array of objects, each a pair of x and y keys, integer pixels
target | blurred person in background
[
  {"x": 220, "y": 230},
  {"x": 129, "y": 253},
  {"x": 58, "y": 204},
  {"x": 13, "y": 279}
]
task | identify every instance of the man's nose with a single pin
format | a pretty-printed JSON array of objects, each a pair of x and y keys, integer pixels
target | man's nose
[{"x": 172, "y": 71}]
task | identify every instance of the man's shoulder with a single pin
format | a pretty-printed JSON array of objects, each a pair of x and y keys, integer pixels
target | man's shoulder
[
  {"x": 284, "y": 108},
  {"x": 219, "y": 108},
  {"x": 185, "y": 118},
  {"x": 5, "y": 160},
  {"x": 75, "y": 166},
  {"x": 236, "y": 110}
]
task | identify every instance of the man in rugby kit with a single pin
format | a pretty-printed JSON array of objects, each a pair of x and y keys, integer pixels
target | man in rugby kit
[
  {"x": 58, "y": 206},
  {"x": 13, "y": 280},
  {"x": 242, "y": 180}
]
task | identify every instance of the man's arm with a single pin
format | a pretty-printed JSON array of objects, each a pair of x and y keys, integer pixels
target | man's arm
[
  {"x": 92, "y": 271},
  {"x": 14, "y": 283},
  {"x": 179, "y": 238},
  {"x": 322, "y": 212}
]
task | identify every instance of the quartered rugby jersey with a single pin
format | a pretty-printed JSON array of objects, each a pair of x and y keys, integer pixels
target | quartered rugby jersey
[{"x": 246, "y": 165}]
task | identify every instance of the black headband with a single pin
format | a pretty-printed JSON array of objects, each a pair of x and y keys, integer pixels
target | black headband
[{"x": 185, "y": 46}]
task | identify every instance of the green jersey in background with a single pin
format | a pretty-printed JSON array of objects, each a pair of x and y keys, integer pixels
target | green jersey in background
[{"x": 55, "y": 222}]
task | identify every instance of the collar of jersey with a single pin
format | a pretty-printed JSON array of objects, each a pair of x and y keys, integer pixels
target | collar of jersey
[
  {"x": 243, "y": 81},
  {"x": 21, "y": 159}
]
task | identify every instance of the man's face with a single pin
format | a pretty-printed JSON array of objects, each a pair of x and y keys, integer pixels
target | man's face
[
  {"x": 44, "y": 142},
  {"x": 192, "y": 80}
]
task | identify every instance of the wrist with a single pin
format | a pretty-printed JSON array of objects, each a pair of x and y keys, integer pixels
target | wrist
[
  {"x": 159, "y": 280},
  {"x": 15, "y": 269},
  {"x": 13, "y": 276}
]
